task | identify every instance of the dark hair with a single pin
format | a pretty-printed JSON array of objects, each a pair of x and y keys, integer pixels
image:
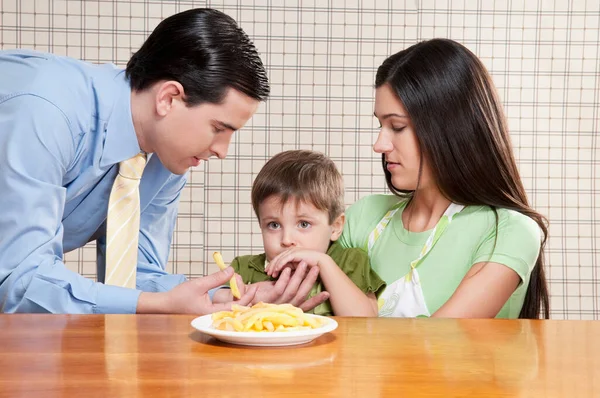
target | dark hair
[
  {"x": 461, "y": 130},
  {"x": 205, "y": 51},
  {"x": 306, "y": 176}
]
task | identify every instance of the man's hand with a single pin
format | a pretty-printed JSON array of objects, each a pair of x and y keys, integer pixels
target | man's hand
[
  {"x": 292, "y": 288},
  {"x": 192, "y": 297},
  {"x": 224, "y": 295}
]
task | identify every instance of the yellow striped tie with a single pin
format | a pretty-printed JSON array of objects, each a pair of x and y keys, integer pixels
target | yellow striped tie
[{"x": 123, "y": 223}]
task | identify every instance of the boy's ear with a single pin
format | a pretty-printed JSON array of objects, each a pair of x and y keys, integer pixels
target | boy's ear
[{"x": 337, "y": 227}]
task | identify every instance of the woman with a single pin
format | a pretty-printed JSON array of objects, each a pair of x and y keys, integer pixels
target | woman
[{"x": 458, "y": 237}]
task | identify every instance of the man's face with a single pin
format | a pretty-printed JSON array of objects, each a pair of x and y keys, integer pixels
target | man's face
[{"x": 184, "y": 135}]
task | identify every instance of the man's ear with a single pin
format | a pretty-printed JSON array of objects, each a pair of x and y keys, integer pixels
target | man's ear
[
  {"x": 337, "y": 227},
  {"x": 166, "y": 93}
]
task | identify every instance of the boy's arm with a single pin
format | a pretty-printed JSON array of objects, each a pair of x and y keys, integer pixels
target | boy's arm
[{"x": 346, "y": 297}]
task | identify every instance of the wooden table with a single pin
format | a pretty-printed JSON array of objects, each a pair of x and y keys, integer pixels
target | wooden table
[{"x": 162, "y": 356}]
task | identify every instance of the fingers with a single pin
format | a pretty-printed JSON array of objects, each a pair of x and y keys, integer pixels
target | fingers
[
  {"x": 292, "y": 288},
  {"x": 281, "y": 260},
  {"x": 245, "y": 300},
  {"x": 214, "y": 280},
  {"x": 314, "y": 301},
  {"x": 273, "y": 295},
  {"x": 291, "y": 258},
  {"x": 288, "y": 265},
  {"x": 275, "y": 265},
  {"x": 248, "y": 295},
  {"x": 240, "y": 284},
  {"x": 306, "y": 286}
]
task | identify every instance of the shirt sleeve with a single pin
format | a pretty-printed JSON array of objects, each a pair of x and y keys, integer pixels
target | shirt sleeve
[
  {"x": 351, "y": 235},
  {"x": 355, "y": 264},
  {"x": 362, "y": 217},
  {"x": 36, "y": 149},
  {"x": 517, "y": 245}
]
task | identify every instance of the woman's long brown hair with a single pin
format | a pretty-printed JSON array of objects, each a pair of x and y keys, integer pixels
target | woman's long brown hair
[{"x": 461, "y": 129}]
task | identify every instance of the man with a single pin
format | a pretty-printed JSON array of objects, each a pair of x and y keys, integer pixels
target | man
[{"x": 92, "y": 152}]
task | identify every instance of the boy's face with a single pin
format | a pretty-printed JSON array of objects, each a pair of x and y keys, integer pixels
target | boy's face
[{"x": 296, "y": 224}]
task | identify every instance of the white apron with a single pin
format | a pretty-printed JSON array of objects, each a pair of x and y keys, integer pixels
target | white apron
[{"x": 404, "y": 297}]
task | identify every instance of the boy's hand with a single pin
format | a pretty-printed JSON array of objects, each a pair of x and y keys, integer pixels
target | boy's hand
[
  {"x": 291, "y": 287},
  {"x": 294, "y": 257}
]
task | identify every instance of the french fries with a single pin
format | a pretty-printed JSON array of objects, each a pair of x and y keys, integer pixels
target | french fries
[
  {"x": 264, "y": 317},
  {"x": 232, "y": 282}
]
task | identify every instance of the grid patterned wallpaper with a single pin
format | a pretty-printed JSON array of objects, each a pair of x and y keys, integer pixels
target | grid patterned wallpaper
[{"x": 322, "y": 57}]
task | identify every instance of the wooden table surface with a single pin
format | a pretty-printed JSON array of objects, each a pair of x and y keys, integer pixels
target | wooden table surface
[{"x": 163, "y": 356}]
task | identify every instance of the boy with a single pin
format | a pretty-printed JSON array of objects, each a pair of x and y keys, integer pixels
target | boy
[{"x": 298, "y": 198}]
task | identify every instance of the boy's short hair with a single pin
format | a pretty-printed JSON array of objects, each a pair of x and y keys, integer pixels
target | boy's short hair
[{"x": 304, "y": 175}]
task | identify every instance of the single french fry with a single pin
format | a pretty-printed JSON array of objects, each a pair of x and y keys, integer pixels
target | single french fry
[
  {"x": 258, "y": 325},
  {"x": 220, "y": 315},
  {"x": 269, "y": 326},
  {"x": 239, "y": 308},
  {"x": 308, "y": 321},
  {"x": 236, "y": 325},
  {"x": 285, "y": 320},
  {"x": 229, "y": 327},
  {"x": 232, "y": 282},
  {"x": 219, "y": 324}
]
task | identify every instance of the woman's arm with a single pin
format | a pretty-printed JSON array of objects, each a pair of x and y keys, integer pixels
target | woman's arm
[
  {"x": 481, "y": 293},
  {"x": 504, "y": 259}
]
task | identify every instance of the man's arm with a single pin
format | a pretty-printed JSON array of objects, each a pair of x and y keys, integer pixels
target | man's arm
[{"x": 36, "y": 149}]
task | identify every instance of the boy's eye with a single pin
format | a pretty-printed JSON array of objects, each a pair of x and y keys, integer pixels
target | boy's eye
[
  {"x": 218, "y": 130},
  {"x": 273, "y": 225},
  {"x": 304, "y": 224}
]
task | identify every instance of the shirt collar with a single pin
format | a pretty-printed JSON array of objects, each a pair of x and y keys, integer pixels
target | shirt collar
[
  {"x": 258, "y": 263},
  {"x": 120, "y": 141}
]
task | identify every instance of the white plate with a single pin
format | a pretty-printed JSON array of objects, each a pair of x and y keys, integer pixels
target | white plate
[{"x": 265, "y": 339}]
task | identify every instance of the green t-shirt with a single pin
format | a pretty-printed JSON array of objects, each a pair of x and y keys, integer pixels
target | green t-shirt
[
  {"x": 469, "y": 239},
  {"x": 353, "y": 261}
]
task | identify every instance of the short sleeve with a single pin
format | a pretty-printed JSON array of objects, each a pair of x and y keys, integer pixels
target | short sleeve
[
  {"x": 362, "y": 217},
  {"x": 349, "y": 239},
  {"x": 517, "y": 246}
]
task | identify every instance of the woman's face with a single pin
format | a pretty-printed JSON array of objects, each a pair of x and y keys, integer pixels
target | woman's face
[{"x": 398, "y": 142}]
